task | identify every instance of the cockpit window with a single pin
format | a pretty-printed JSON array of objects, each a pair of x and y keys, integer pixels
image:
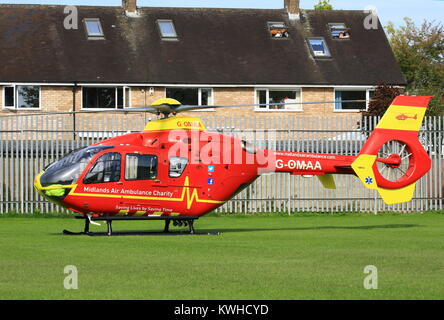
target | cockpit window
[
  {"x": 67, "y": 170},
  {"x": 248, "y": 147},
  {"x": 106, "y": 169},
  {"x": 177, "y": 166}
]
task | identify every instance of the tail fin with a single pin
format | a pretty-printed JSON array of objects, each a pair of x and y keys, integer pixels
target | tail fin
[{"x": 393, "y": 159}]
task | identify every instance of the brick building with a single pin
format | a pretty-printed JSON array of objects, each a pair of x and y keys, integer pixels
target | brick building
[{"x": 58, "y": 58}]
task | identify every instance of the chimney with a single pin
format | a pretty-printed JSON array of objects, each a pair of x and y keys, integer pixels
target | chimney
[
  {"x": 292, "y": 7},
  {"x": 130, "y": 6}
]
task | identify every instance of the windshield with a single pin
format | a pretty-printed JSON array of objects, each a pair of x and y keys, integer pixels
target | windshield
[{"x": 67, "y": 170}]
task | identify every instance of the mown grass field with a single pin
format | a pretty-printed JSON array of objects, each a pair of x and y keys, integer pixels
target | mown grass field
[{"x": 255, "y": 257}]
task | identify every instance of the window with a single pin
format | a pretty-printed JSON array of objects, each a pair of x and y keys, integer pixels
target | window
[
  {"x": 177, "y": 166},
  {"x": 9, "y": 97},
  {"x": 290, "y": 97},
  {"x": 278, "y": 30},
  {"x": 350, "y": 94},
  {"x": 94, "y": 29},
  {"x": 192, "y": 96},
  {"x": 318, "y": 47},
  {"x": 67, "y": 170},
  {"x": 21, "y": 97},
  {"x": 339, "y": 31},
  {"x": 106, "y": 169},
  {"x": 140, "y": 167},
  {"x": 167, "y": 30},
  {"x": 248, "y": 147},
  {"x": 106, "y": 97}
]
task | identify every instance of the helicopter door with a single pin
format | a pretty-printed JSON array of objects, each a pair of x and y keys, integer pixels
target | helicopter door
[
  {"x": 143, "y": 180},
  {"x": 102, "y": 179},
  {"x": 105, "y": 170},
  {"x": 141, "y": 168}
]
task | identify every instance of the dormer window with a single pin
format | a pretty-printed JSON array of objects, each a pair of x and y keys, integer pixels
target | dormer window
[
  {"x": 167, "y": 30},
  {"x": 278, "y": 30},
  {"x": 318, "y": 47},
  {"x": 339, "y": 31},
  {"x": 94, "y": 29}
]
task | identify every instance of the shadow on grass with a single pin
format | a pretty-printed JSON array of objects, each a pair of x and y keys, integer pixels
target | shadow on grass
[
  {"x": 383, "y": 226},
  {"x": 205, "y": 231}
]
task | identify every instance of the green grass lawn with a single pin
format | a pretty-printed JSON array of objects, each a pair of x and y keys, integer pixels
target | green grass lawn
[{"x": 255, "y": 257}]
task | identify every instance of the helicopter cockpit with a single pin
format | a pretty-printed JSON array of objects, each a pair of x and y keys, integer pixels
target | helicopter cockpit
[{"x": 67, "y": 170}]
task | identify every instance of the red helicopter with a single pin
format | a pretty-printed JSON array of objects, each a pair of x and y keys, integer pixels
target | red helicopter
[{"x": 174, "y": 170}]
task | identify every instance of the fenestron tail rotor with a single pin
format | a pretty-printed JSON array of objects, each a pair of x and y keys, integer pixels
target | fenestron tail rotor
[{"x": 398, "y": 161}]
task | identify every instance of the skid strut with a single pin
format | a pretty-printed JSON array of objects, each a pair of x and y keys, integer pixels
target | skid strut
[{"x": 177, "y": 221}]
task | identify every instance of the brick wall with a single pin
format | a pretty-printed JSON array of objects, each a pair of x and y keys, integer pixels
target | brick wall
[{"x": 60, "y": 98}]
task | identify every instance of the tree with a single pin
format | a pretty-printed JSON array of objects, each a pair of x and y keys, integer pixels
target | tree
[
  {"x": 381, "y": 100},
  {"x": 420, "y": 54},
  {"x": 323, "y": 5}
]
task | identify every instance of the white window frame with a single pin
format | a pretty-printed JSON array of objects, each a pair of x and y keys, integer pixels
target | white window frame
[
  {"x": 259, "y": 109},
  {"x": 164, "y": 37},
  {"x": 100, "y": 36},
  {"x": 313, "y": 53},
  {"x": 367, "y": 97},
  {"x": 14, "y": 107},
  {"x": 199, "y": 97},
  {"x": 116, "y": 97}
]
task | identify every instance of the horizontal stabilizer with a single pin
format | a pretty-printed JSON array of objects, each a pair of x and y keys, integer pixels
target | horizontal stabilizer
[{"x": 327, "y": 181}]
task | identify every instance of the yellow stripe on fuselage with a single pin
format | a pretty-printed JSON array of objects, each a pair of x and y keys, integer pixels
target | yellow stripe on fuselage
[
  {"x": 402, "y": 118},
  {"x": 175, "y": 123},
  {"x": 187, "y": 194}
]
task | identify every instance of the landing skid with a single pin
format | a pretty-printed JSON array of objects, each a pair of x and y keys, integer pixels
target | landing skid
[{"x": 177, "y": 221}]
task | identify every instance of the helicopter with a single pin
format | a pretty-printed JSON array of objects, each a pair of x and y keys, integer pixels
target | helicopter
[{"x": 175, "y": 170}]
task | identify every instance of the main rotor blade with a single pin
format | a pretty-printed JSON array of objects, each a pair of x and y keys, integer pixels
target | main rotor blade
[
  {"x": 167, "y": 109},
  {"x": 128, "y": 110},
  {"x": 183, "y": 108}
]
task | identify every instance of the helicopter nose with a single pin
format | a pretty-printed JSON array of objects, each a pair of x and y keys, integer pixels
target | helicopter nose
[
  {"x": 53, "y": 193},
  {"x": 37, "y": 185}
]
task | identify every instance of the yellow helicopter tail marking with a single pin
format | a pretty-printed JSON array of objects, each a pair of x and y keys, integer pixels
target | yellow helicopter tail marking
[
  {"x": 392, "y": 196},
  {"x": 363, "y": 167},
  {"x": 327, "y": 181},
  {"x": 402, "y": 118}
]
